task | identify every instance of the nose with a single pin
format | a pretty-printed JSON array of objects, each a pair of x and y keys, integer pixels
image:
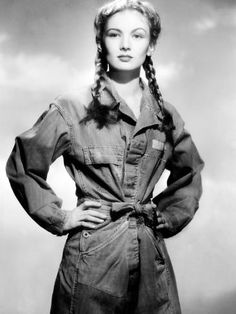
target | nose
[{"x": 125, "y": 43}]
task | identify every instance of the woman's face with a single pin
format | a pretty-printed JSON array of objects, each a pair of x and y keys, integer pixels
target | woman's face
[{"x": 127, "y": 40}]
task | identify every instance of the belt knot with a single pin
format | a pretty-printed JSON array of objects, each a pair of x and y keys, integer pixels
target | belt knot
[
  {"x": 143, "y": 212},
  {"x": 138, "y": 209},
  {"x": 121, "y": 208}
]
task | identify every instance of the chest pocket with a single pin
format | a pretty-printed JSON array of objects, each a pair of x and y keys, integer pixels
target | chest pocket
[
  {"x": 154, "y": 157},
  {"x": 95, "y": 155},
  {"x": 107, "y": 161}
]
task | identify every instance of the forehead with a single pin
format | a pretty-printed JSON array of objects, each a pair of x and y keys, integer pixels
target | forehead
[{"x": 127, "y": 20}]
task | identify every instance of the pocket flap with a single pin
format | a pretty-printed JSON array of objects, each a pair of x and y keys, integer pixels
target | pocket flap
[{"x": 103, "y": 155}]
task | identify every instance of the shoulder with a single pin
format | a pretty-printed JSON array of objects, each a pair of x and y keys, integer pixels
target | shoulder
[
  {"x": 73, "y": 103},
  {"x": 176, "y": 117}
]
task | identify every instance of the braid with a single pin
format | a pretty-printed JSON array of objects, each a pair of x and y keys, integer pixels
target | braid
[
  {"x": 167, "y": 123},
  {"x": 100, "y": 66},
  {"x": 152, "y": 82},
  {"x": 103, "y": 115}
]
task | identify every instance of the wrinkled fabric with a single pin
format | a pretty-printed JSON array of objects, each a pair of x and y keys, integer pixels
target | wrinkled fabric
[
  {"x": 118, "y": 164},
  {"x": 119, "y": 268}
]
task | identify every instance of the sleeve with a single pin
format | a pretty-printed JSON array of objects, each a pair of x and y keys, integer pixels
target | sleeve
[
  {"x": 28, "y": 166},
  {"x": 180, "y": 200}
]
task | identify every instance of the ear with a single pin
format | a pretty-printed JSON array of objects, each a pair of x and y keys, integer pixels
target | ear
[
  {"x": 99, "y": 47},
  {"x": 151, "y": 49}
]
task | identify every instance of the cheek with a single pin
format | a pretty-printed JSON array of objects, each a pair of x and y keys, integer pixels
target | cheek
[
  {"x": 146, "y": 47},
  {"x": 142, "y": 52},
  {"x": 142, "y": 48},
  {"x": 110, "y": 47}
]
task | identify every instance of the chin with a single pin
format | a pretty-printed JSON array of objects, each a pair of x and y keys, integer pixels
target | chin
[{"x": 126, "y": 67}]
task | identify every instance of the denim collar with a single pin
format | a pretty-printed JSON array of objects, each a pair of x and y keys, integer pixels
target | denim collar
[{"x": 150, "y": 111}]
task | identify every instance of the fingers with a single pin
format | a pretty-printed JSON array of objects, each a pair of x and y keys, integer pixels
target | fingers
[
  {"x": 88, "y": 204},
  {"x": 158, "y": 214},
  {"x": 90, "y": 214},
  {"x": 161, "y": 221},
  {"x": 162, "y": 226},
  {"x": 94, "y": 219},
  {"x": 95, "y": 213},
  {"x": 88, "y": 225},
  {"x": 85, "y": 215},
  {"x": 90, "y": 218},
  {"x": 90, "y": 222}
]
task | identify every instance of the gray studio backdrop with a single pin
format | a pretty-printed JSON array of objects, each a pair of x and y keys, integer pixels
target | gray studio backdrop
[{"x": 47, "y": 48}]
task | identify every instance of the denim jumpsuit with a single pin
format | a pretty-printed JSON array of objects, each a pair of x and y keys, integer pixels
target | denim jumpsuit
[{"x": 122, "y": 266}]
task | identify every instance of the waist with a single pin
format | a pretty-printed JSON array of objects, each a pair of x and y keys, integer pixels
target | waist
[{"x": 143, "y": 213}]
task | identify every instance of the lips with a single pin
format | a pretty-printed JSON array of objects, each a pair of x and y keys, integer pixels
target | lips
[{"x": 125, "y": 58}]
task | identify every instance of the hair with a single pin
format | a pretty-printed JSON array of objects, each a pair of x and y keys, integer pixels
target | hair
[{"x": 104, "y": 115}]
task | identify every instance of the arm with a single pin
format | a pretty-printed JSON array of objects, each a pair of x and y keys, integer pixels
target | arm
[
  {"x": 179, "y": 201},
  {"x": 28, "y": 166}
]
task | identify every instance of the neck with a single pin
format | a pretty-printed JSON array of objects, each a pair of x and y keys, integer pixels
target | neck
[{"x": 125, "y": 82}]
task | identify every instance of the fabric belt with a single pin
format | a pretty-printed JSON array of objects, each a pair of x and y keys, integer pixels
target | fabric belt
[
  {"x": 144, "y": 213},
  {"x": 135, "y": 208}
]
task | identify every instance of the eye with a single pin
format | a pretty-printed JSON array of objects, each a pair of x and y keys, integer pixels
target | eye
[
  {"x": 137, "y": 36},
  {"x": 114, "y": 35}
]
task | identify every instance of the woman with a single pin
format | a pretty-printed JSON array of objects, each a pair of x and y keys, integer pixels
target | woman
[{"x": 116, "y": 139}]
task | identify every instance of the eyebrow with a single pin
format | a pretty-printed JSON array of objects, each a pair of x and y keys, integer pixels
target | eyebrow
[{"x": 118, "y": 30}]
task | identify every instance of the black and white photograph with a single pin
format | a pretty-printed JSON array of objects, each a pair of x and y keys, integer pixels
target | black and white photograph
[{"x": 117, "y": 160}]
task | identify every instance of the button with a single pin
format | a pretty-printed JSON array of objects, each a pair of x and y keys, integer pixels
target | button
[{"x": 86, "y": 234}]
